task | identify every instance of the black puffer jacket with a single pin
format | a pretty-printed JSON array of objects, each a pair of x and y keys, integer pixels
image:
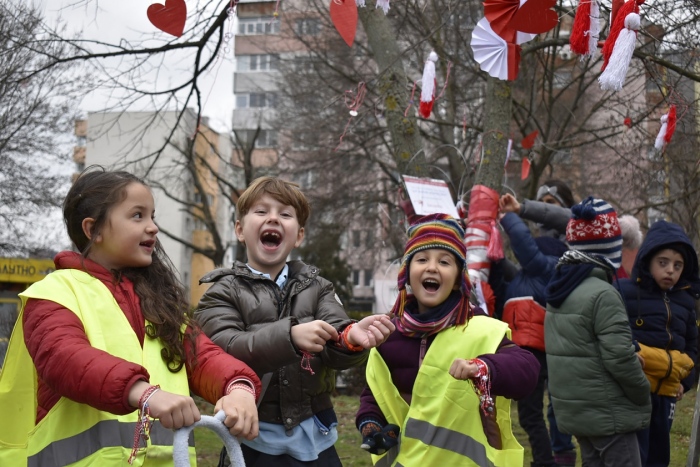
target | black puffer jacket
[{"x": 251, "y": 318}]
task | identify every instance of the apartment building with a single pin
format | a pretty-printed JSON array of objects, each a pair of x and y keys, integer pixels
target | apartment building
[
  {"x": 272, "y": 37},
  {"x": 136, "y": 142}
]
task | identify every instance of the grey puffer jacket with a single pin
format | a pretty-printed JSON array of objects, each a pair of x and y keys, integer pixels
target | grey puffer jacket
[
  {"x": 596, "y": 382},
  {"x": 552, "y": 219},
  {"x": 251, "y": 318}
]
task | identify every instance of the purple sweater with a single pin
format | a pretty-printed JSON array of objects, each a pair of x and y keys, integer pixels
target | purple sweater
[{"x": 514, "y": 371}]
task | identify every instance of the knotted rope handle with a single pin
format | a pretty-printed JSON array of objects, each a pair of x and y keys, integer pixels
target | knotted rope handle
[{"x": 181, "y": 457}]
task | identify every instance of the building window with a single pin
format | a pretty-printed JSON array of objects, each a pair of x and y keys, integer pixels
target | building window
[
  {"x": 258, "y": 26},
  {"x": 356, "y": 238},
  {"x": 265, "y": 139},
  {"x": 368, "y": 277},
  {"x": 257, "y": 62},
  {"x": 256, "y": 100},
  {"x": 305, "y": 179},
  {"x": 561, "y": 79},
  {"x": 356, "y": 277},
  {"x": 308, "y": 27}
]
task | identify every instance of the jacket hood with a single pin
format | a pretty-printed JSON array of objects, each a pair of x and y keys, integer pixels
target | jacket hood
[
  {"x": 565, "y": 280},
  {"x": 667, "y": 235}
]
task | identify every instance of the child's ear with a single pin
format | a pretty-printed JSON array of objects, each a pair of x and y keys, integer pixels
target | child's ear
[
  {"x": 88, "y": 225},
  {"x": 239, "y": 232},
  {"x": 300, "y": 237}
]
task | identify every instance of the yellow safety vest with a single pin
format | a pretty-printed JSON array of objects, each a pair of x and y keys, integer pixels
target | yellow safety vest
[
  {"x": 442, "y": 425},
  {"x": 71, "y": 433}
]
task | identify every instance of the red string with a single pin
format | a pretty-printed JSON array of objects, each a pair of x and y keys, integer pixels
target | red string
[
  {"x": 352, "y": 102},
  {"x": 447, "y": 78},
  {"x": 410, "y": 102},
  {"x": 306, "y": 361}
]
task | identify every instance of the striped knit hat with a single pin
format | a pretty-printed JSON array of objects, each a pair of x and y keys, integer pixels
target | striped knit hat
[
  {"x": 434, "y": 231},
  {"x": 594, "y": 229}
]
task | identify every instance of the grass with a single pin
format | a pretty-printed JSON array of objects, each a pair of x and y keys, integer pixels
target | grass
[{"x": 348, "y": 445}]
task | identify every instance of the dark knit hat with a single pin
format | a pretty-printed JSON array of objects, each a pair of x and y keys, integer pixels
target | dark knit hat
[
  {"x": 594, "y": 229},
  {"x": 433, "y": 231}
]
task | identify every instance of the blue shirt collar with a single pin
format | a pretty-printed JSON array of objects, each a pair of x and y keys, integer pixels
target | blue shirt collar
[{"x": 281, "y": 278}]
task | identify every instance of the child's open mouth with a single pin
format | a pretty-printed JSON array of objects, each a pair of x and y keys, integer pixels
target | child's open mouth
[
  {"x": 148, "y": 243},
  {"x": 271, "y": 238},
  {"x": 430, "y": 285}
]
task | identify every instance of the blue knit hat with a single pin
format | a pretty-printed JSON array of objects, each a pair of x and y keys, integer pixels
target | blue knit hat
[{"x": 594, "y": 229}]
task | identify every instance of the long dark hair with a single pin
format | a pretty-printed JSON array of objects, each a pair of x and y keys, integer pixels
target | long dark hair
[{"x": 163, "y": 298}]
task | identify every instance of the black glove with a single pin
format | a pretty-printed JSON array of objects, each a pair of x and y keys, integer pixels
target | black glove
[{"x": 378, "y": 440}]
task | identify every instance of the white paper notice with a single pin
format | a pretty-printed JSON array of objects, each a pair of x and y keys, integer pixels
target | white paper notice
[{"x": 429, "y": 196}]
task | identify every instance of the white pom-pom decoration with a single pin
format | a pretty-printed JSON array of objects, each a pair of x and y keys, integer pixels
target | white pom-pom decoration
[{"x": 614, "y": 75}]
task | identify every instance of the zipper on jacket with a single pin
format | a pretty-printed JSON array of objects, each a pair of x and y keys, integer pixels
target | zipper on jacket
[
  {"x": 668, "y": 345},
  {"x": 423, "y": 346}
]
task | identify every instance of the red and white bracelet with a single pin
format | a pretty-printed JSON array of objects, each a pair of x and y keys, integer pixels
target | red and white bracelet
[
  {"x": 239, "y": 384},
  {"x": 144, "y": 423}
]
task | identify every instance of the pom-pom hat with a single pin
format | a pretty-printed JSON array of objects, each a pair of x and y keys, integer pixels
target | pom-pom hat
[
  {"x": 434, "y": 231},
  {"x": 594, "y": 229}
]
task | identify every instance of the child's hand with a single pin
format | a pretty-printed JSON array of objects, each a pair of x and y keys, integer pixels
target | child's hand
[
  {"x": 463, "y": 369},
  {"x": 371, "y": 331},
  {"x": 680, "y": 393},
  {"x": 641, "y": 359},
  {"x": 508, "y": 203},
  {"x": 312, "y": 336},
  {"x": 241, "y": 413},
  {"x": 173, "y": 410}
]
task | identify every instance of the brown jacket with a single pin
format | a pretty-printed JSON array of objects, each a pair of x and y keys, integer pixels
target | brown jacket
[{"x": 251, "y": 318}]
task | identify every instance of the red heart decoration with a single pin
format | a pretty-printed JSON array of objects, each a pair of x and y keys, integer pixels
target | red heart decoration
[
  {"x": 170, "y": 17},
  {"x": 525, "y": 168},
  {"x": 499, "y": 13},
  {"x": 529, "y": 141},
  {"x": 344, "y": 17},
  {"x": 535, "y": 17}
]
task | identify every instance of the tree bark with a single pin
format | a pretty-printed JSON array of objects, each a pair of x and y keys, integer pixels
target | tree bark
[
  {"x": 497, "y": 116},
  {"x": 392, "y": 84}
]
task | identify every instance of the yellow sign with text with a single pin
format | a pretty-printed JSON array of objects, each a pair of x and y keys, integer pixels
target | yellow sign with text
[{"x": 24, "y": 271}]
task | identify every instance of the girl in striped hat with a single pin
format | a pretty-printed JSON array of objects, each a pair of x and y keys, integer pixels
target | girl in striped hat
[{"x": 442, "y": 381}]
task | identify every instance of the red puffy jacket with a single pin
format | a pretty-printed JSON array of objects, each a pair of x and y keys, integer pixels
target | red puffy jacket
[{"x": 67, "y": 365}]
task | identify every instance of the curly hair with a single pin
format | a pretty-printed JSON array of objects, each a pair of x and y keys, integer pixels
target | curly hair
[{"x": 163, "y": 298}]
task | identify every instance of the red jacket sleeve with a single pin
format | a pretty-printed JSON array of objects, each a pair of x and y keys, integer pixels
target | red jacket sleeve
[
  {"x": 68, "y": 366},
  {"x": 214, "y": 369}
]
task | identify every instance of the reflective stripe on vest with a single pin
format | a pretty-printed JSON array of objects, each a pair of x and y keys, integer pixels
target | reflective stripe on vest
[
  {"x": 442, "y": 426},
  {"x": 73, "y": 431},
  {"x": 105, "y": 434}
]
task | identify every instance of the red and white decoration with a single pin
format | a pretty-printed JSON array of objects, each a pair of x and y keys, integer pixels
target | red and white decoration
[
  {"x": 614, "y": 74},
  {"x": 428, "y": 85},
  {"x": 586, "y": 29},
  {"x": 668, "y": 127},
  {"x": 507, "y": 24}
]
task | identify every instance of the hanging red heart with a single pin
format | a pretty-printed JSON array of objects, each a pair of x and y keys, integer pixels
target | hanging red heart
[
  {"x": 529, "y": 141},
  {"x": 499, "y": 13},
  {"x": 535, "y": 17},
  {"x": 344, "y": 17},
  {"x": 525, "y": 168},
  {"x": 170, "y": 17},
  {"x": 628, "y": 122}
]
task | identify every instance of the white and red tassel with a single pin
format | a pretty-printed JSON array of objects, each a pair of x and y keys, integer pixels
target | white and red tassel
[
  {"x": 613, "y": 77},
  {"x": 384, "y": 5},
  {"x": 668, "y": 127},
  {"x": 360, "y": 3},
  {"x": 586, "y": 29},
  {"x": 428, "y": 85}
]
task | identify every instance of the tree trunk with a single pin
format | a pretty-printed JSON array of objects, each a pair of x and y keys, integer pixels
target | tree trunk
[
  {"x": 392, "y": 84},
  {"x": 498, "y": 105}
]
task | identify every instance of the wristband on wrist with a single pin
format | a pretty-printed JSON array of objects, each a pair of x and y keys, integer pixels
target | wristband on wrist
[
  {"x": 143, "y": 425},
  {"x": 344, "y": 342},
  {"x": 239, "y": 384}
]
